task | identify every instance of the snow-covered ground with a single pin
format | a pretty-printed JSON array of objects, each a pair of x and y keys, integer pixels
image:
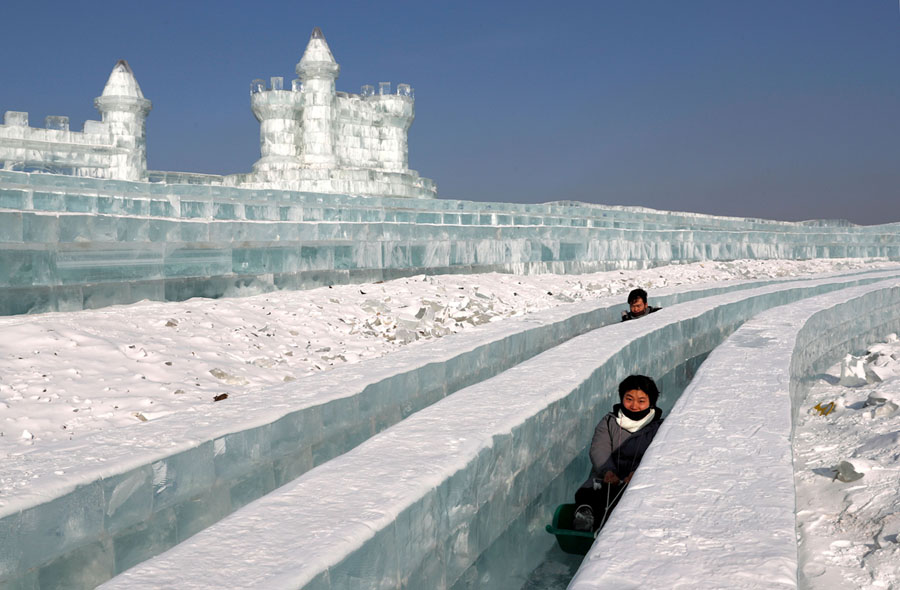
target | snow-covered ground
[
  {"x": 66, "y": 374},
  {"x": 847, "y": 461},
  {"x": 63, "y": 375}
]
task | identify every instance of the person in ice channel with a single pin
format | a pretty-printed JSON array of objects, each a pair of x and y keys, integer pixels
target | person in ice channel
[
  {"x": 637, "y": 302},
  {"x": 619, "y": 443}
]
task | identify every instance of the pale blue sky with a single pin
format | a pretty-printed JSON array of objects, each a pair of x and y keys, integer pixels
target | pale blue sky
[{"x": 762, "y": 108}]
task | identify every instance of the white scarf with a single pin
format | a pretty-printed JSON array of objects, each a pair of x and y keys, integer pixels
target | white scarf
[{"x": 634, "y": 425}]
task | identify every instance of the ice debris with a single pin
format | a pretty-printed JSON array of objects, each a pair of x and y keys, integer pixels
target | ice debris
[
  {"x": 227, "y": 377},
  {"x": 846, "y": 472}
]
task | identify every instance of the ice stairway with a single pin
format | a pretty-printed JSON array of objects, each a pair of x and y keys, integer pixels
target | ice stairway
[{"x": 456, "y": 495}]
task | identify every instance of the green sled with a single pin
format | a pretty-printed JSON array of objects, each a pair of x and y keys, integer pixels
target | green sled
[{"x": 570, "y": 541}]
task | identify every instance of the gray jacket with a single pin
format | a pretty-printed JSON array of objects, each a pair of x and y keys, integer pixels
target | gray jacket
[{"x": 615, "y": 449}]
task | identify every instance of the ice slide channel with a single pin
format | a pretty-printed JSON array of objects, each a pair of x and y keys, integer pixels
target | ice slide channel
[
  {"x": 712, "y": 505},
  {"x": 457, "y": 494},
  {"x": 92, "y": 508}
]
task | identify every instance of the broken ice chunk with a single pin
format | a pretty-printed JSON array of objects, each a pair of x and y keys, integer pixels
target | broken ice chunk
[
  {"x": 876, "y": 373},
  {"x": 878, "y": 397},
  {"x": 885, "y": 409},
  {"x": 846, "y": 472},
  {"x": 853, "y": 371},
  {"x": 228, "y": 378}
]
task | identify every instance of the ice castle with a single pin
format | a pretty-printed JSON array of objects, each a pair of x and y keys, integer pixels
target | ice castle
[
  {"x": 312, "y": 138},
  {"x": 331, "y": 200}
]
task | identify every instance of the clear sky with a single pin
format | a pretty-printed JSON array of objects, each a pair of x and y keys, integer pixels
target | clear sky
[{"x": 784, "y": 109}]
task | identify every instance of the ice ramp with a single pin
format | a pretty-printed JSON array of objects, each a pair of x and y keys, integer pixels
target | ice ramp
[
  {"x": 712, "y": 505},
  {"x": 456, "y": 495}
]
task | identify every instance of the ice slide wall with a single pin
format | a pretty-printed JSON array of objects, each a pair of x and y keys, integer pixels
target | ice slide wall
[
  {"x": 723, "y": 515},
  {"x": 90, "y": 509},
  {"x": 68, "y": 243},
  {"x": 456, "y": 495}
]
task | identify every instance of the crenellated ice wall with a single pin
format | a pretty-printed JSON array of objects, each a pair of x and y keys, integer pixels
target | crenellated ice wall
[
  {"x": 713, "y": 500},
  {"x": 114, "y": 147},
  {"x": 70, "y": 243},
  {"x": 486, "y": 463}
]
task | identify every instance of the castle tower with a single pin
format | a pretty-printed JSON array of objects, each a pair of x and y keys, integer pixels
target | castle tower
[
  {"x": 278, "y": 112},
  {"x": 317, "y": 71},
  {"x": 124, "y": 110},
  {"x": 395, "y": 114}
]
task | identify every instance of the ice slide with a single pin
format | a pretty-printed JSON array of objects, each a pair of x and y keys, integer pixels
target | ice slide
[
  {"x": 97, "y": 506},
  {"x": 457, "y": 493}
]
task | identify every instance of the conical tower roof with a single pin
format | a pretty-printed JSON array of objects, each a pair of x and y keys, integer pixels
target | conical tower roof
[
  {"x": 122, "y": 92},
  {"x": 122, "y": 82},
  {"x": 317, "y": 60}
]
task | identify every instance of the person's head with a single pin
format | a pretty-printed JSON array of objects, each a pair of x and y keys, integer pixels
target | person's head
[
  {"x": 637, "y": 300},
  {"x": 638, "y": 392}
]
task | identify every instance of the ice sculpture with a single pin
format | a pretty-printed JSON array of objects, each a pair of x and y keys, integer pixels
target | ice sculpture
[
  {"x": 312, "y": 138},
  {"x": 114, "y": 148}
]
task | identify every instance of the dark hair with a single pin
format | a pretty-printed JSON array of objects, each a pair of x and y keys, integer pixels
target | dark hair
[
  {"x": 637, "y": 294},
  {"x": 641, "y": 382}
]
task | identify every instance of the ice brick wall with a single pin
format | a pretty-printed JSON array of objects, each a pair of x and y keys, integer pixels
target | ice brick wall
[
  {"x": 82, "y": 153},
  {"x": 713, "y": 500},
  {"x": 457, "y": 494},
  {"x": 70, "y": 243}
]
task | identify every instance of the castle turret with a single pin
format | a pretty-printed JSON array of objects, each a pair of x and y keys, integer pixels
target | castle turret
[
  {"x": 317, "y": 71},
  {"x": 278, "y": 112},
  {"x": 394, "y": 113},
  {"x": 124, "y": 110}
]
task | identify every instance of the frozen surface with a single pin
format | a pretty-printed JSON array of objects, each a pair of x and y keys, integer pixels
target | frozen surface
[
  {"x": 713, "y": 504},
  {"x": 849, "y": 526},
  {"x": 457, "y": 493}
]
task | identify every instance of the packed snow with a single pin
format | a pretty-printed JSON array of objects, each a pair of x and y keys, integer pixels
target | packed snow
[
  {"x": 64, "y": 375},
  {"x": 847, "y": 462}
]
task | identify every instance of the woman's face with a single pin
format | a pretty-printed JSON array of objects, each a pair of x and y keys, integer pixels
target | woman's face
[{"x": 636, "y": 400}]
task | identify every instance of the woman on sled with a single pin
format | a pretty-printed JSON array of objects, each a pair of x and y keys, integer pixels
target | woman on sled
[{"x": 619, "y": 443}]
